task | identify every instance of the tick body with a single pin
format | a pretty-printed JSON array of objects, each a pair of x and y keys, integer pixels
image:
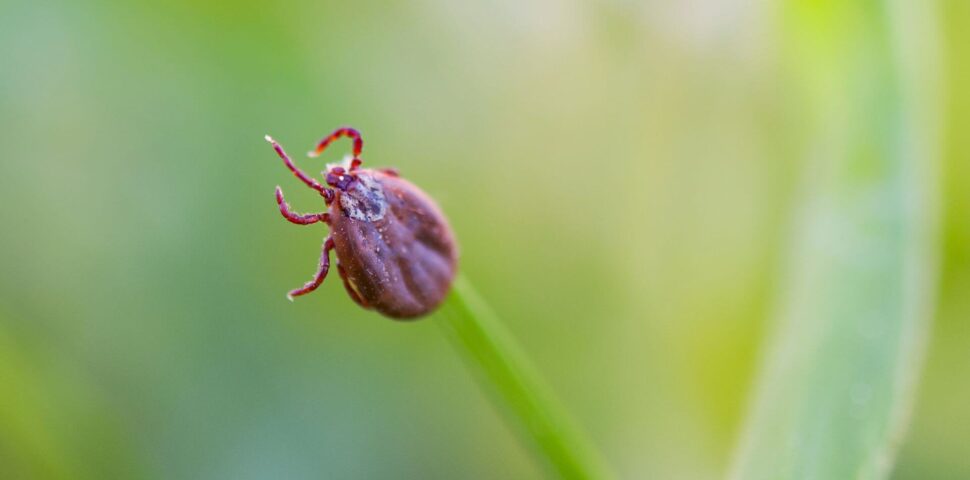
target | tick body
[{"x": 395, "y": 251}]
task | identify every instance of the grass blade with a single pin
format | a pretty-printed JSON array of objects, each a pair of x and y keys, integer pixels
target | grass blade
[
  {"x": 839, "y": 373},
  {"x": 514, "y": 385}
]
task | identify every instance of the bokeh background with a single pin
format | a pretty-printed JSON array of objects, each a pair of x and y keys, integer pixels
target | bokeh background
[{"x": 621, "y": 176}]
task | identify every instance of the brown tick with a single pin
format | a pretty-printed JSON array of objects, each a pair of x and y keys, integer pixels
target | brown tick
[{"x": 395, "y": 251}]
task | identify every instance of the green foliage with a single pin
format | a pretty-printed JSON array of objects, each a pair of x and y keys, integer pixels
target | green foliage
[
  {"x": 839, "y": 374},
  {"x": 621, "y": 177}
]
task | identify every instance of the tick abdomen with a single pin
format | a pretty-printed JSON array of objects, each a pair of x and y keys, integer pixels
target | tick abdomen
[{"x": 394, "y": 245}]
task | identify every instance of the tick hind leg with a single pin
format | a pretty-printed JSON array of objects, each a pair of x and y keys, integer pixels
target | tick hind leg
[
  {"x": 342, "y": 132},
  {"x": 298, "y": 218},
  {"x": 350, "y": 289},
  {"x": 319, "y": 276}
]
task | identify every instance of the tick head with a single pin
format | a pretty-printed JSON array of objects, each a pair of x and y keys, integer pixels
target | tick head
[{"x": 337, "y": 176}]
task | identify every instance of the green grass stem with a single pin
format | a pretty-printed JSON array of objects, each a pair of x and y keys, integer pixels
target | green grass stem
[{"x": 514, "y": 385}]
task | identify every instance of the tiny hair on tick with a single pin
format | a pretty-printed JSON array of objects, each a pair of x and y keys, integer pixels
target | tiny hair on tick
[{"x": 395, "y": 252}]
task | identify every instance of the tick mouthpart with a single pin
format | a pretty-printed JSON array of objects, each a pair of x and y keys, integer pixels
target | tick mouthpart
[{"x": 339, "y": 178}]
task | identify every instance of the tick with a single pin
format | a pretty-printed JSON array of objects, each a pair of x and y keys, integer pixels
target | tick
[{"x": 395, "y": 251}]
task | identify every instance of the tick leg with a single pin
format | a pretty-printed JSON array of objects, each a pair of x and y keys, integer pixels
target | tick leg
[
  {"x": 350, "y": 290},
  {"x": 317, "y": 277},
  {"x": 297, "y": 218},
  {"x": 310, "y": 182},
  {"x": 342, "y": 132}
]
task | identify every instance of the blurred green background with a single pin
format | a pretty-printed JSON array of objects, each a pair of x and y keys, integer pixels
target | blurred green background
[{"x": 621, "y": 177}]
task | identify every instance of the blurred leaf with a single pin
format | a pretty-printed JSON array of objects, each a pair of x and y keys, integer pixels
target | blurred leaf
[{"x": 837, "y": 381}]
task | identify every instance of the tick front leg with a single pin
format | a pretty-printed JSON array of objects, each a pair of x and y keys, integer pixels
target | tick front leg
[
  {"x": 297, "y": 218},
  {"x": 310, "y": 182},
  {"x": 319, "y": 276},
  {"x": 348, "y": 132}
]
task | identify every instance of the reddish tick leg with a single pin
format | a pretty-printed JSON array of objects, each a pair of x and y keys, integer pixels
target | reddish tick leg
[
  {"x": 297, "y": 218},
  {"x": 342, "y": 132},
  {"x": 350, "y": 290},
  {"x": 296, "y": 171},
  {"x": 319, "y": 276}
]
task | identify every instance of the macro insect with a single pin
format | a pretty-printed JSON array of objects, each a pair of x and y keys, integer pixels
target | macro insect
[{"x": 395, "y": 251}]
